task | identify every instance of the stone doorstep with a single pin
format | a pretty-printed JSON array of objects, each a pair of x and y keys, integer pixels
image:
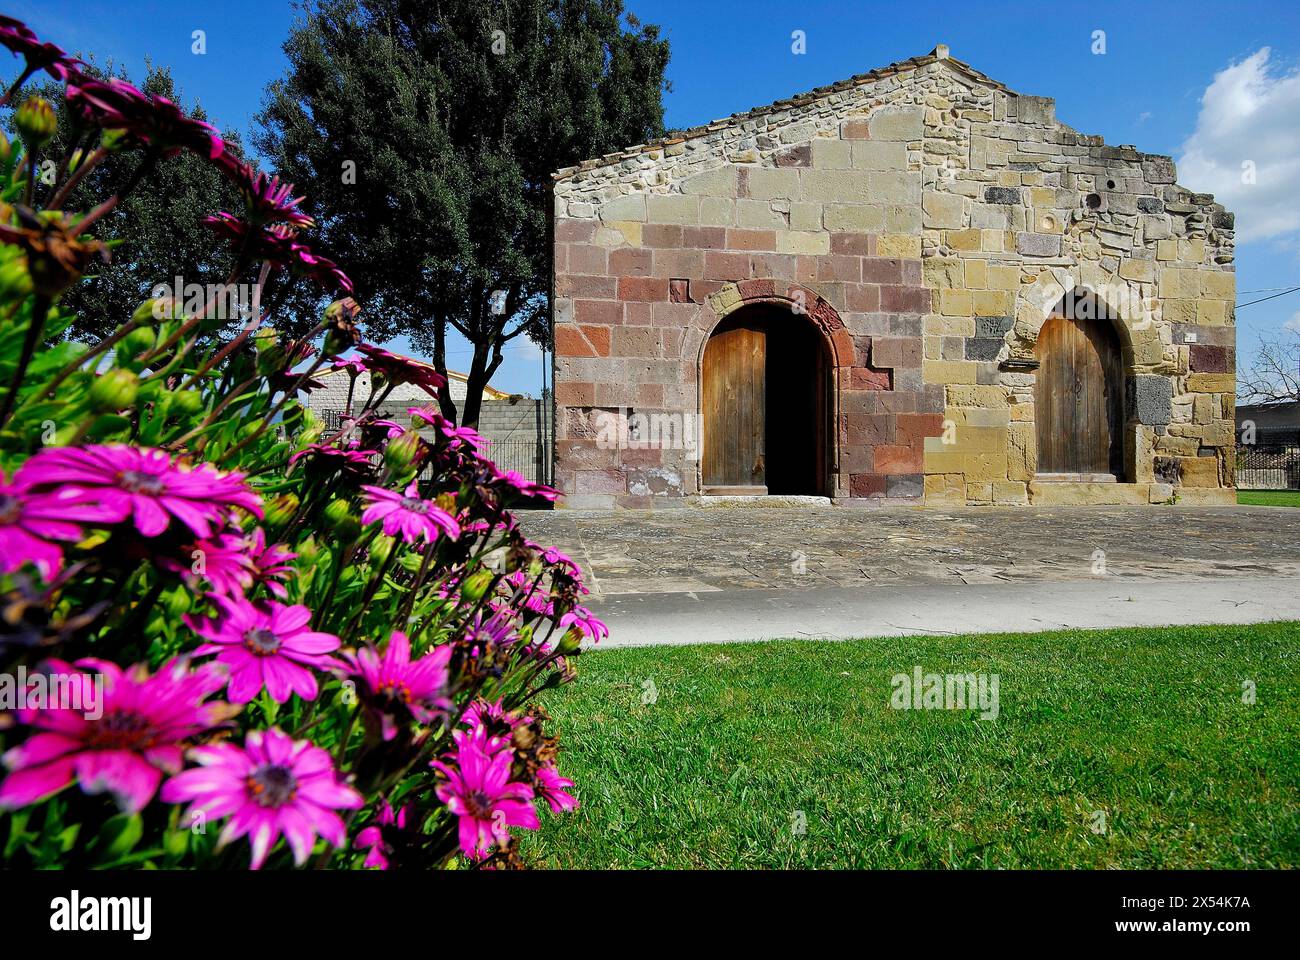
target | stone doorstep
[{"x": 714, "y": 501}]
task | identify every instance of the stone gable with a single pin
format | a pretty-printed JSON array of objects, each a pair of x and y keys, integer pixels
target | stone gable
[{"x": 927, "y": 220}]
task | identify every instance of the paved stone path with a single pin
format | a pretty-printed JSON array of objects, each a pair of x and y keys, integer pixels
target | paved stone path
[{"x": 752, "y": 573}]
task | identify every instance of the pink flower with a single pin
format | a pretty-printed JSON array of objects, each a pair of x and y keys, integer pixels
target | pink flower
[
  {"x": 393, "y": 684},
  {"x": 223, "y": 562},
  {"x": 489, "y": 725},
  {"x": 265, "y": 645},
  {"x": 582, "y": 620},
  {"x": 30, "y": 520},
  {"x": 137, "y": 735},
  {"x": 398, "y": 369},
  {"x": 372, "y": 837},
  {"x": 271, "y": 564},
  {"x": 145, "y": 484},
  {"x": 273, "y": 785},
  {"x": 156, "y": 121},
  {"x": 406, "y": 512},
  {"x": 479, "y": 791},
  {"x": 276, "y": 244},
  {"x": 19, "y": 38},
  {"x": 455, "y": 435},
  {"x": 267, "y": 199},
  {"x": 523, "y": 486},
  {"x": 552, "y": 788}
]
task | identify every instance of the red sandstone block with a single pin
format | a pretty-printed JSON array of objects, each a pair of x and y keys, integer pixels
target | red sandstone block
[
  {"x": 670, "y": 343},
  {"x": 598, "y": 311},
  {"x": 752, "y": 289},
  {"x": 853, "y": 244},
  {"x": 913, "y": 428},
  {"x": 575, "y": 231},
  {"x": 751, "y": 240},
  {"x": 800, "y": 156},
  {"x": 863, "y": 379},
  {"x": 855, "y": 130},
  {"x": 866, "y": 485},
  {"x": 641, "y": 454},
  {"x": 705, "y": 238},
  {"x": 601, "y": 481},
  {"x": 871, "y": 430},
  {"x": 571, "y": 393},
  {"x": 895, "y": 352},
  {"x": 598, "y": 337},
  {"x": 589, "y": 260},
  {"x": 805, "y": 270},
  {"x": 661, "y": 235},
  {"x": 882, "y": 270},
  {"x": 895, "y": 459},
  {"x": 862, "y": 297},
  {"x": 839, "y": 268},
  {"x": 642, "y": 288},
  {"x": 701, "y": 290},
  {"x": 905, "y": 299},
  {"x": 679, "y": 290},
  {"x": 678, "y": 263},
  {"x": 1206, "y": 358},
  {"x": 638, "y": 313},
  {"x": 580, "y": 287},
  {"x": 569, "y": 342},
  {"x": 726, "y": 266},
  {"x": 650, "y": 395},
  {"x": 631, "y": 262},
  {"x": 636, "y": 342}
]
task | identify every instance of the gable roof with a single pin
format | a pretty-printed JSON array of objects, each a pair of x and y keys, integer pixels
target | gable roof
[{"x": 938, "y": 55}]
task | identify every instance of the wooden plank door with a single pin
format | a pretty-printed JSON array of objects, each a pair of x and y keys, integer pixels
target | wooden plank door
[
  {"x": 735, "y": 385},
  {"x": 1077, "y": 402}
]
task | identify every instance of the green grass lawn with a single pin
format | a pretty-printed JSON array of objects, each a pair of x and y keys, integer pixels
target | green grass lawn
[
  {"x": 1147, "y": 726},
  {"x": 1269, "y": 498}
]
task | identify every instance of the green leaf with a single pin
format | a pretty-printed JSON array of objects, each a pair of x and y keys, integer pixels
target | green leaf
[{"x": 118, "y": 837}]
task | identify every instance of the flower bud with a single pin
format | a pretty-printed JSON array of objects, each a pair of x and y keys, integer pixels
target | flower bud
[
  {"x": 380, "y": 548},
  {"x": 279, "y": 510},
  {"x": 135, "y": 344},
  {"x": 114, "y": 390},
  {"x": 476, "y": 584},
  {"x": 343, "y": 523},
  {"x": 308, "y": 551},
  {"x": 5, "y": 149},
  {"x": 341, "y": 330},
  {"x": 570, "y": 643},
  {"x": 178, "y": 602},
  {"x": 113, "y": 140},
  {"x": 36, "y": 122},
  {"x": 187, "y": 402},
  {"x": 400, "y": 452}
]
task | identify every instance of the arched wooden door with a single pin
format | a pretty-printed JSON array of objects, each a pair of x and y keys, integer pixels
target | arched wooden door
[
  {"x": 735, "y": 407},
  {"x": 1078, "y": 399}
]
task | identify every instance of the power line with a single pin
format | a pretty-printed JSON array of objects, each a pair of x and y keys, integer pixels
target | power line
[{"x": 1262, "y": 299}]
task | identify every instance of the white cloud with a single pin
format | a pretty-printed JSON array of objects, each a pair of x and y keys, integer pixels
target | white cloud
[
  {"x": 1293, "y": 324},
  {"x": 1249, "y": 120}
]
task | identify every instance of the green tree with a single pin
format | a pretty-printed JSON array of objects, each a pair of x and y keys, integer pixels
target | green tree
[
  {"x": 425, "y": 135},
  {"x": 157, "y": 233}
]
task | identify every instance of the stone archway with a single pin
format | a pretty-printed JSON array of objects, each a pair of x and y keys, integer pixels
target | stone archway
[
  {"x": 778, "y": 437},
  {"x": 1128, "y": 306}
]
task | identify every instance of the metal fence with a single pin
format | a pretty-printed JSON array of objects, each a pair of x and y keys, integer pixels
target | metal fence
[
  {"x": 525, "y": 456},
  {"x": 1272, "y": 462}
]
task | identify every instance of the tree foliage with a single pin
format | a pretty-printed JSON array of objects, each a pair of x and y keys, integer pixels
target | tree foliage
[{"x": 425, "y": 135}]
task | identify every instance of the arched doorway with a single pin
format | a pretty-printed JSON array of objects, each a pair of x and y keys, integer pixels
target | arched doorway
[
  {"x": 1079, "y": 393},
  {"x": 766, "y": 409}
]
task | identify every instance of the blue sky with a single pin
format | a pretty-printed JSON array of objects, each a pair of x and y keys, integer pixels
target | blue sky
[{"x": 1213, "y": 84}]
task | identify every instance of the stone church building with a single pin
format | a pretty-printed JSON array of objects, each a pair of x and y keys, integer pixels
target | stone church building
[{"x": 913, "y": 285}]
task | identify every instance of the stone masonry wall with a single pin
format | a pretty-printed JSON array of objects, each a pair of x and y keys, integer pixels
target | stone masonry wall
[{"x": 926, "y": 220}]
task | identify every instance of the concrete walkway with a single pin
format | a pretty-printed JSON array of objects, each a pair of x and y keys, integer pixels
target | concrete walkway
[{"x": 691, "y": 575}]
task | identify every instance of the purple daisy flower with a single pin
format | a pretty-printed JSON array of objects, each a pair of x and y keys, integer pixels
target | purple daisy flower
[
  {"x": 398, "y": 369},
  {"x": 156, "y": 121},
  {"x": 265, "y": 646},
  {"x": 553, "y": 788},
  {"x": 407, "y": 513},
  {"x": 29, "y": 521},
  {"x": 271, "y": 786},
  {"x": 19, "y": 38},
  {"x": 392, "y": 684},
  {"x": 477, "y": 788},
  {"x": 144, "y": 484},
  {"x": 137, "y": 735}
]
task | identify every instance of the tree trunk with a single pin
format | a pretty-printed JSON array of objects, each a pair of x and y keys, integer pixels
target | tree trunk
[{"x": 445, "y": 403}]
